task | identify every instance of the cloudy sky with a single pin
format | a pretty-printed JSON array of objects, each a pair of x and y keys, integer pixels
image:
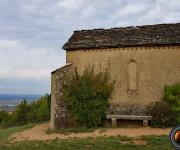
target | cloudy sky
[{"x": 32, "y": 33}]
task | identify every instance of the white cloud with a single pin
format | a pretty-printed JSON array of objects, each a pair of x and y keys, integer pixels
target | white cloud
[
  {"x": 33, "y": 31},
  {"x": 19, "y": 61},
  {"x": 70, "y": 5}
]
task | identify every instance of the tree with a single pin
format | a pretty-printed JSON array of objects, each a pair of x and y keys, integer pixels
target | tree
[{"x": 87, "y": 95}]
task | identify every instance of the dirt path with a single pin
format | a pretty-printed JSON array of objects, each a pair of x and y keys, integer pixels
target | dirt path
[{"x": 39, "y": 133}]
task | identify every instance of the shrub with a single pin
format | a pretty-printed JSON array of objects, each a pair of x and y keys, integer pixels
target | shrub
[
  {"x": 167, "y": 111},
  {"x": 172, "y": 96},
  {"x": 21, "y": 113},
  {"x": 87, "y": 96},
  {"x": 37, "y": 111},
  {"x": 162, "y": 115},
  {"x": 4, "y": 116},
  {"x": 41, "y": 109}
]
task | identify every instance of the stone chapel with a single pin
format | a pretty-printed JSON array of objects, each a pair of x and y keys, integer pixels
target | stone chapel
[{"x": 141, "y": 59}]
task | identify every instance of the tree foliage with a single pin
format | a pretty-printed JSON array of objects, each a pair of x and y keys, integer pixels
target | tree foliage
[
  {"x": 25, "y": 113},
  {"x": 167, "y": 111},
  {"x": 87, "y": 95},
  {"x": 172, "y": 96}
]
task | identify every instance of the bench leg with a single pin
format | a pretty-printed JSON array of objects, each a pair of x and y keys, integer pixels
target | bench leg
[
  {"x": 145, "y": 123},
  {"x": 114, "y": 122}
]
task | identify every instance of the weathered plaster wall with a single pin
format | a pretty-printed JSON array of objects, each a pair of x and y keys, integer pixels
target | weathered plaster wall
[
  {"x": 155, "y": 66},
  {"x": 59, "y": 113}
]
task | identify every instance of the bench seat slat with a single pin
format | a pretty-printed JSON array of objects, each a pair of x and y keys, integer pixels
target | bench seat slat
[{"x": 129, "y": 117}]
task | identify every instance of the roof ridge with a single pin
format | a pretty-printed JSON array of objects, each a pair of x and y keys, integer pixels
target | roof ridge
[{"x": 121, "y": 27}]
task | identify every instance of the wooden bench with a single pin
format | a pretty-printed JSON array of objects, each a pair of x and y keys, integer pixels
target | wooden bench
[{"x": 114, "y": 118}]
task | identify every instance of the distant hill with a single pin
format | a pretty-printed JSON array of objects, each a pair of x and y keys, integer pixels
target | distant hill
[
  {"x": 8, "y": 102},
  {"x": 19, "y": 96}
]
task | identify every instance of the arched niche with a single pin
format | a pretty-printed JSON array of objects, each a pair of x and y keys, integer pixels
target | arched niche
[{"x": 132, "y": 75}]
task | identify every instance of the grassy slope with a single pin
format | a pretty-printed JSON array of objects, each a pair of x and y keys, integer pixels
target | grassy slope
[
  {"x": 100, "y": 143},
  {"x": 5, "y": 133}
]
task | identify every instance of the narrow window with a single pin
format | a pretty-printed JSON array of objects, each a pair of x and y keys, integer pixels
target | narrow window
[{"x": 132, "y": 76}]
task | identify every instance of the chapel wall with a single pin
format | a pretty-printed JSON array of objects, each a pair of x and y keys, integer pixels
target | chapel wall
[{"x": 154, "y": 67}]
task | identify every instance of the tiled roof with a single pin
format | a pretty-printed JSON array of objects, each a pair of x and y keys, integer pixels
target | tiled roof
[{"x": 147, "y": 35}]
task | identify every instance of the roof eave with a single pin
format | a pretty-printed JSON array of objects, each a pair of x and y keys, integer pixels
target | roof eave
[{"x": 68, "y": 48}]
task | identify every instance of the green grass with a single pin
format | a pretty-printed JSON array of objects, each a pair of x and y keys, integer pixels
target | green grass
[
  {"x": 105, "y": 143},
  {"x": 98, "y": 143},
  {"x": 5, "y": 133},
  {"x": 67, "y": 131}
]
